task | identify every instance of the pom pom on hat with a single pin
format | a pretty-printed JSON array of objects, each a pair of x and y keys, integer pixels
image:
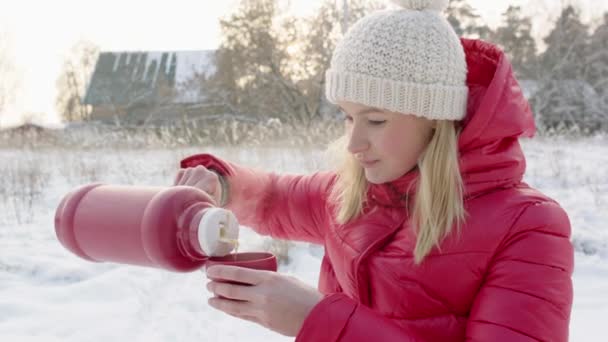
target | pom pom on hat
[{"x": 437, "y": 5}]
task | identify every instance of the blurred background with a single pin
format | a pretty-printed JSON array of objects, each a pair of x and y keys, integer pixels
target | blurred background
[
  {"x": 120, "y": 91},
  {"x": 154, "y": 63}
]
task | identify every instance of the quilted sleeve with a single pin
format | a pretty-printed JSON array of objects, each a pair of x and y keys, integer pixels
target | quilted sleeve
[
  {"x": 339, "y": 318},
  {"x": 284, "y": 206},
  {"x": 527, "y": 292}
]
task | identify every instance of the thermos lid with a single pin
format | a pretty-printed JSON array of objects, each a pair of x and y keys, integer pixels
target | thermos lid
[{"x": 217, "y": 229}]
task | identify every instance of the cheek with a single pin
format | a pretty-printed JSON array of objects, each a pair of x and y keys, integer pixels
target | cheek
[{"x": 399, "y": 151}]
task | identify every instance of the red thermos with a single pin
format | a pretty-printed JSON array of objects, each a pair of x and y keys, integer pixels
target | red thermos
[{"x": 174, "y": 228}]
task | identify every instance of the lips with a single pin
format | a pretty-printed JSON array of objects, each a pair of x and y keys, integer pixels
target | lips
[{"x": 368, "y": 163}]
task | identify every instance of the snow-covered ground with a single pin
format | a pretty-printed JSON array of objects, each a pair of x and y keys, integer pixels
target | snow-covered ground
[{"x": 47, "y": 294}]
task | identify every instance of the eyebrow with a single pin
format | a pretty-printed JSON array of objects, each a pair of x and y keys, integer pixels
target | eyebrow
[{"x": 366, "y": 110}]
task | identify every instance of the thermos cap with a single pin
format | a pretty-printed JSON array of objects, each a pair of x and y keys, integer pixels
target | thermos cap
[{"x": 217, "y": 224}]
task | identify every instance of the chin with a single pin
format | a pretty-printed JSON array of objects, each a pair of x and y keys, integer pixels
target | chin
[
  {"x": 375, "y": 179},
  {"x": 380, "y": 178}
]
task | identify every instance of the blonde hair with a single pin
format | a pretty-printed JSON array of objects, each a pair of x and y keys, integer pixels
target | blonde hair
[{"x": 438, "y": 202}]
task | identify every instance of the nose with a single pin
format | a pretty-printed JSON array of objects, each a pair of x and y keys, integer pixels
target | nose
[{"x": 357, "y": 141}]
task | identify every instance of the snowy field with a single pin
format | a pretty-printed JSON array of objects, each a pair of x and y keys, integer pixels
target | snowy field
[{"x": 47, "y": 294}]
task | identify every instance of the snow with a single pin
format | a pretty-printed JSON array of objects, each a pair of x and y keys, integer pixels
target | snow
[
  {"x": 192, "y": 62},
  {"x": 153, "y": 57},
  {"x": 48, "y": 294},
  {"x": 189, "y": 64}
]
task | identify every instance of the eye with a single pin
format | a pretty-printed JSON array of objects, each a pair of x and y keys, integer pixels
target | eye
[{"x": 376, "y": 122}]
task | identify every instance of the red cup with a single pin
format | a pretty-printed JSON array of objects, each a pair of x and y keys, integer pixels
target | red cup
[{"x": 253, "y": 260}]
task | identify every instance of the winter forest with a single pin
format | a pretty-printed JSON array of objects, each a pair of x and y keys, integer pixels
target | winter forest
[{"x": 266, "y": 53}]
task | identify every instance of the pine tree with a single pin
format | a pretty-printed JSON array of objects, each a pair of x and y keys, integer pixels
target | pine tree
[
  {"x": 466, "y": 22},
  {"x": 567, "y": 47},
  {"x": 515, "y": 38},
  {"x": 565, "y": 96},
  {"x": 598, "y": 60}
]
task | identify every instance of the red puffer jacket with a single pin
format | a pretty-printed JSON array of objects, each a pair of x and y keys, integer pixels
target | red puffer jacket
[{"x": 508, "y": 278}]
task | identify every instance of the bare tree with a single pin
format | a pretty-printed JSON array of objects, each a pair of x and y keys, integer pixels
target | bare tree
[
  {"x": 73, "y": 80},
  {"x": 271, "y": 65},
  {"x": 252, "y": 65},
  {"x": 10, "y": 80},
  {"x": 322, "y": 34}
]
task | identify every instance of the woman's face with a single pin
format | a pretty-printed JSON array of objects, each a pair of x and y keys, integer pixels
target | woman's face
[{"x": 386, "y": 144}]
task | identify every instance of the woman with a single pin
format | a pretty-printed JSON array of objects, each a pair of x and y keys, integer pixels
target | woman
[{"x": 429, "y": 232}]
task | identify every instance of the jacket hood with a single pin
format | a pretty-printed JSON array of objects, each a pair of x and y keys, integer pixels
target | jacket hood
[{"x": 498, "y": 114}]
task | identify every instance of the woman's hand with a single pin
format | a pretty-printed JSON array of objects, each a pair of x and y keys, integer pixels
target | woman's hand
[
  {"x": 275, "y": 301},
  {"x": 202, "y": 178}
]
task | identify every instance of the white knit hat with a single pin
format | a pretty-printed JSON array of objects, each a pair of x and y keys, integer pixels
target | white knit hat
[{"x": 408, "y": 60}]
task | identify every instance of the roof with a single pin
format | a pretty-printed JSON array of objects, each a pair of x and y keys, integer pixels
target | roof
[{"x": 138, "y": 77}]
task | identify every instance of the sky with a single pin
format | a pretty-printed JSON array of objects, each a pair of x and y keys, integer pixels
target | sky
[{"x": 40, "y": 33}]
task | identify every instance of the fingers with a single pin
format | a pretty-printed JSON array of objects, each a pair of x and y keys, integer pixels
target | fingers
[
  {"x": 206, "y": 184},
  {"x": 199, "y": 177},
  {"x": 231, "y": 291},
  {"x": 238, "y": 274},
  {"x": 242, "y": 310},
  {"x": 194, "y": 174},
  {"x": 179, "y": 176}
]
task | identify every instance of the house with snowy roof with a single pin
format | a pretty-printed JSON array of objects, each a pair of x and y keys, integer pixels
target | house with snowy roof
[{"x": 146, "y": 87}]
